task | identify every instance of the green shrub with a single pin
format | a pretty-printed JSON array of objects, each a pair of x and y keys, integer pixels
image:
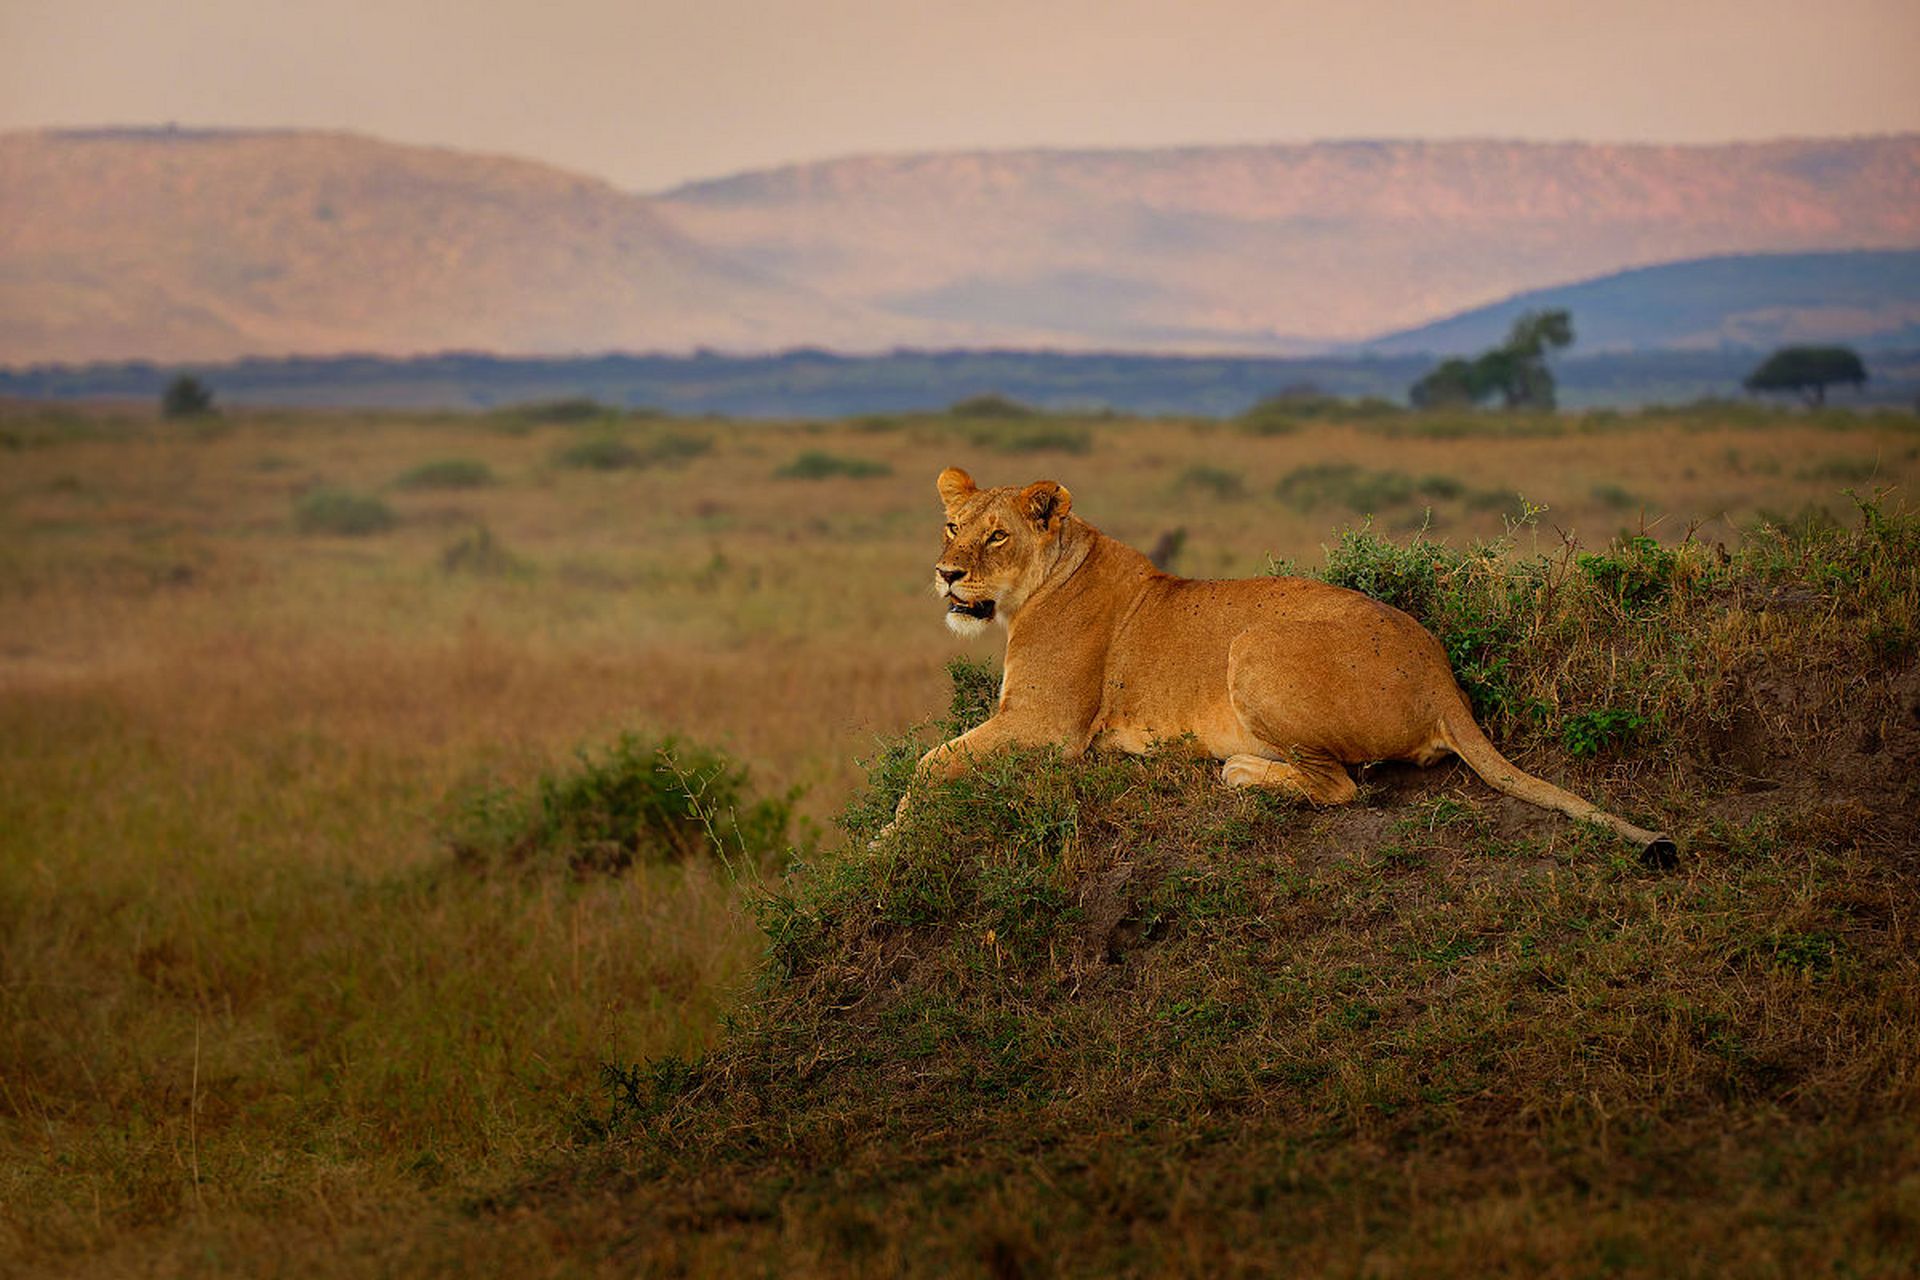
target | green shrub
[
  {"x": 1285, "y": 408},
  {"x": 599, "y": 453},
  {"x": 1845, "y": 470},
  {"x": 569, "y": 409},
  {"x": 446, "y": 473},
  {"x": 1615, "y": 497},
  {"x": 661, "y": 800},
  {"x": 615, "y": 452},
  {"x": 1035, "y": 436},
  {"x": 816, "y": 465},
  {"x": 672, "y": 448},
  {"x": 1636, "y": 571},
  {"x": 1217, "y": 482},
  {"x": 1359, "y": 489},
  {"x": 1591, "y": 732},
  {"x": 990, "y": 406},
  {"x": 341, "y": 513}
]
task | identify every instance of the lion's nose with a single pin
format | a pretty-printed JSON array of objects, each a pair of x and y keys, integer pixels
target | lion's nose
[{"x": 951, "y": 576}]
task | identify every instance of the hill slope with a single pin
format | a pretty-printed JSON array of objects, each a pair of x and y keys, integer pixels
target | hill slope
[
  {"x": 1759, "y": 301},
  {"x": 1273, "y": 247},
  {"x": 187, "y": 245}
]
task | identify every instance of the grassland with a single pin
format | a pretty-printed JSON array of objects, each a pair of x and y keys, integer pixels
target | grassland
[{"x": 256, "y": 1014}]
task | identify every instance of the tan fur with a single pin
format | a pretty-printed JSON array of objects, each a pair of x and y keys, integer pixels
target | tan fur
[{"x": 1287, "y": 680}]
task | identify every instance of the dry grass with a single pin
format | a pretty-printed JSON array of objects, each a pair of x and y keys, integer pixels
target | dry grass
[{"x": 248, "y": 1009}]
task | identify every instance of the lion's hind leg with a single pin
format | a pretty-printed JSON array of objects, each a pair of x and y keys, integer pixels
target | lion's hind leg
[{"x": 1319, "y": 779}]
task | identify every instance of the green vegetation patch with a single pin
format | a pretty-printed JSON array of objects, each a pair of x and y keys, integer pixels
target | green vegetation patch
[
  {"x": 620, "y": 452},
  {"x": 1035, "y": 435},
  {"x": 1361, "y": 489},
  {"x": 446, "y": 473},
  {"x": 481, "y": 554},
  {"x": 815, "y": 464},
  {"x": 990, "y": 405},
  {"x": 1214, "y": 482},
  {"x": 639, "y": 799},
  {"x": 341, "y": 513}
]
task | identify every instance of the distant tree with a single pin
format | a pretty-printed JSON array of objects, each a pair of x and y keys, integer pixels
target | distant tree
[
  {"x": 186, "y": 397},
  {"x": 1456, "y": 384},
  {"x": 1516, "y": 370},
  {"x": 1808, "y": 371}
]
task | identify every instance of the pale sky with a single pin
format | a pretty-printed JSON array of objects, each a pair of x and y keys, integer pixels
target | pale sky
[{"x": 648, "y": 94}]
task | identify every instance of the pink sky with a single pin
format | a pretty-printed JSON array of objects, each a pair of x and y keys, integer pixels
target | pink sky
[{"x": 650, "y": 94}]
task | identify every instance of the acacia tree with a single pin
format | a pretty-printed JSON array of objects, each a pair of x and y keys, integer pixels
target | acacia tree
[
  {"x": 1516, "y": 370},
  {"x": 186, "y": 397},
  {"x": 1808, "y": 371}
]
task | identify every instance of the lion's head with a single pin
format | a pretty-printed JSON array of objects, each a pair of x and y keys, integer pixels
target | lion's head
[{"x": 997, "y": 547}]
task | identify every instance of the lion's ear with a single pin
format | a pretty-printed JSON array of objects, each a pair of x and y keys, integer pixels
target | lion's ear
[
  {"x": 1047, "y": 502},
  {"x": 954, "y": 484}
]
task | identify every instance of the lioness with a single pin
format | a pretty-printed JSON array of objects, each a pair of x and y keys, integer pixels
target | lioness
[{"x": 1287, "y": 680}]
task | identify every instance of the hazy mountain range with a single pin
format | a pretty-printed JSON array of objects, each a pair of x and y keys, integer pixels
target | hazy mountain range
[
  {"x": 1871, "y": 297},
  {"x": 185, "y": 245}
]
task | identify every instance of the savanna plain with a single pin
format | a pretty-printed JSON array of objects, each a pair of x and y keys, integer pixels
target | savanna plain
[{"x": 444, "y": 841}]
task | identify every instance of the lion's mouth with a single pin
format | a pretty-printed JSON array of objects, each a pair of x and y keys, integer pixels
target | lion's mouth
[{"x": 979, "y": 609}]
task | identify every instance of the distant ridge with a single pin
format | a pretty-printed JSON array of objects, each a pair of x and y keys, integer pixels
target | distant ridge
[
  {"x": 211, "y": 244},
  {"x": 1284, "y": 248},
  {"x": 1756, "y": 301}
]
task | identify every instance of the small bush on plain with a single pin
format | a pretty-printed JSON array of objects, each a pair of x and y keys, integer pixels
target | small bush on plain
[
  {"x": 341, "y": 513},
  {"x": 1217, "y": 482},
  {"x": 641, "y": 798},
  {"x": 817, "y": 465},
  {"x": 1031, "y": 436},
  {"x": 446, "y": 473}
]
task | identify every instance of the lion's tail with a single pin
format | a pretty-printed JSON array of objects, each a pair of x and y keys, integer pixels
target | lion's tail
[{"x": 1464, "y": 738}]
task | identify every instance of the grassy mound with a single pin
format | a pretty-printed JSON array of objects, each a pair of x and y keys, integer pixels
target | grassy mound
[{"x": 1108, "y": 1017}]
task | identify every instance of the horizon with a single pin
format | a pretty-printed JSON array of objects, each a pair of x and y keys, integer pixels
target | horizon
[{"x": 165, "y": 128}]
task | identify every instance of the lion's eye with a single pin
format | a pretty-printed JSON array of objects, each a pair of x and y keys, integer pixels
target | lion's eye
[
  {"x": 953, "y": 530},
  {"x": 997, "y": 537}
]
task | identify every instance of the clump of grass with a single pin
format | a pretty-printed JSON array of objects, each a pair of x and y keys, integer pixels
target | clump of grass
[
  {"x": 1844, "y": 470},
  {"x": 1442, "y": 424},
  {"x": 1038, "y": 435},
  {"x": 1215, "y": 482},
  {"x": 599, "y": 453},
  {"x": 640, "y": 799},
  {"x": 1614, "y": 497},
  {"x": 816, "y": 464},
  {"x": 1636, "y": 571},
  {"x": 990, "y": 405},
  {"x": 446, "y": 473},
  {"x": 1360, "y": 489},
  {"x": 615, "y": 453},
  {"x": 341, "y": 513},
  {"x": 1591, "y": 732},
  {"x": 1280, "y": 413},
  {"x": 479, "y": 553},
  {"x": 565, "y": 410},
  {"x": 673, "y": 448}
]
